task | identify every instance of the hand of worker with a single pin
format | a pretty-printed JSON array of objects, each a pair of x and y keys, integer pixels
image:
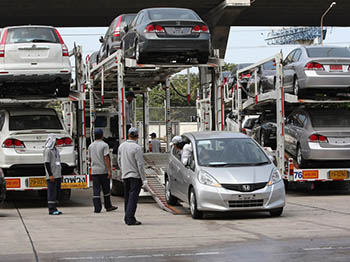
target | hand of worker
[
  {"x": 52, "y": 179},
  {"x": 109, "y": 175},
  {"x": 144, "y": 183}
]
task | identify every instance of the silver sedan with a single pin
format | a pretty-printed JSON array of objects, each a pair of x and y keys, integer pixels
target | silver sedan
[
  {"x": 225, "y": 172},
  {"x": 319, "y": 68},
  {"x": 321, "y": 135}
]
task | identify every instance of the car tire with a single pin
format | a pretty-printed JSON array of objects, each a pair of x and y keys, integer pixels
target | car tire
[
  {"x": 299, "y": 157},
  {"x": 65, "y": 194},
  {"x": 170, "y": 199},
  {"x": 202, "y": 59},
  {"x": 195, "y": 213},
  {"x": 296, "y": 87},
  {"x": 276, "y": 212},
  {"x": 63, "y": 90},
  {"x": 138, "y": 56},
  {"x": 117, "y": 188}
]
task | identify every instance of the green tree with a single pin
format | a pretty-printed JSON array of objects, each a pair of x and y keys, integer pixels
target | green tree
[{"x": 229, "y": 67}]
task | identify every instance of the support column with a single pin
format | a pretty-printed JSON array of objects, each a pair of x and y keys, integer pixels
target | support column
[
  {"x": 167, "y": 114},
  {"x": 145, "y": 122},
  {"x": 121, "y": 100}
]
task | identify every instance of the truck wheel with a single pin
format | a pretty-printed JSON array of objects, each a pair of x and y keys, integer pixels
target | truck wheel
[
  {"x": 202, "y": 59},
  {"x": 63, "y": 90},
  {"x": 170, "y": 199},
  {"x": 117, "y": 188},
  {"x": 65, "y": 194},
  {"x": 276, "y": 212}
]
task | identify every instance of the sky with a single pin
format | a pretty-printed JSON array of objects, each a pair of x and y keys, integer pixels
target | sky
[{"x": 245, "y": 44}]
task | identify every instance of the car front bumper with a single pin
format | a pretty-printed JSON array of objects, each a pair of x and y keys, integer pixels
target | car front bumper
[{"x": 221, "y": 199}]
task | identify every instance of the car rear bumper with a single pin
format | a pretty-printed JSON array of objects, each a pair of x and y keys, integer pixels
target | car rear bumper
[
  {"x": 27, "y": 76},
  {"x": 331, "y": 81},
  {"x": 175, "y": 46},
  {"x": 221, "y": 199},
  {"x": 316, "y": 152}
]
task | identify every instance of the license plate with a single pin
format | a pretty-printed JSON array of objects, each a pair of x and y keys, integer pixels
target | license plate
[
  {"x": 246, "y": 197},
  {"x": 178, "y": 30},
  {"x": 338, "y": 174},
  {"x": 336, "y": 67},
  {"x": 37, "y": 182}
]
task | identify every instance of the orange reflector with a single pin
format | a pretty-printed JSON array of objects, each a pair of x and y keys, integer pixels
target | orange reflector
[
  {"x": 310, "y": 174},
  {"x": 13, "y": 182}
]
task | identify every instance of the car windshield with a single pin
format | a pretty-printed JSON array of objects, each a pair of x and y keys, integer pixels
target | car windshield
[
  {"x": 269, "y": 65},
  {"x": 328, "y": 52},
  {"x": 172, "y": 14},
  {"x": 30, "y": 122},
  {"x": 330, "y": 119},
  {"x": 230, "y": 152},
  {"x": 31, "y": 34}
]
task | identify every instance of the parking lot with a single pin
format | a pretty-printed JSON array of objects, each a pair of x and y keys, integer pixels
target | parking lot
[{"x": 313, "y": 227}]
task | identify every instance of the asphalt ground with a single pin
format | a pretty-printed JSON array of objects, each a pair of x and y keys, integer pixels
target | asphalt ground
[{"x": 314, "y": 227}]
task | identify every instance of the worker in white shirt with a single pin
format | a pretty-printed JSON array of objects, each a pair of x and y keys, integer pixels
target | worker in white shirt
[{"x": 155, "y": 144}]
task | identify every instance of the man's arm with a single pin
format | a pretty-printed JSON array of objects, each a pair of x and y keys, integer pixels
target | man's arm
[
  {"x": 140, "y": 163},
  {"x": 108, "y": 165},
  {"x": 48, "y": 166}
]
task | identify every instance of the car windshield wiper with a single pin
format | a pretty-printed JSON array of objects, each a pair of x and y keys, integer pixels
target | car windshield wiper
[
  {"x": 42, "y": 41},
  {"x": 237, "y": 164},
  {"x": 216, "y": 164},
  {"x": 260, "y": 163}
]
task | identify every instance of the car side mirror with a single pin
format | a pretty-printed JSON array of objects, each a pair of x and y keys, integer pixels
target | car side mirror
[
  {"x": 126, "y": 28},
  {"x": 272, "y": 158},
  {"x": 101, "y": 39}
]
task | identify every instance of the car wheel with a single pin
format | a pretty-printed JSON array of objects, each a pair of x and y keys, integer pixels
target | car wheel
[
  {"x": 65, "y": 194},
  {"x": 138, "y": 56},
  {"x": 170, "y": 199},
  {"x": 296, "y": 87},
  {"x": 63, "y": 90},
  {"x": 276, "y": 212},
  {"x": 195, "y": 213},
  {"x": 117, "y": 188},
  {"x": 299, "y": 157}
]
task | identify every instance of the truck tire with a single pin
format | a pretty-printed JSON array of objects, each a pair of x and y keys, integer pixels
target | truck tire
[
  {"x": 65, "y": 195},
  {"x": 117, "y": 188},
  {"x": 63, "y": 90}
]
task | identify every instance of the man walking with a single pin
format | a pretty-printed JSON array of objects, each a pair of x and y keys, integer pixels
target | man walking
[
  {"x": 155, "y": 144},
  {"x": 53, "y": 174},
  {"x": 101, "y": 172},
  {"x": 130, "y": 160}
]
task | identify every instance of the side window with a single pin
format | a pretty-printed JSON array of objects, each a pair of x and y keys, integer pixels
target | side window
[
  {"x": 302, "y": 119},
  {"x": 135, "y": 20},
  {"x": 139, "y": 19},
  {"x": 299, "y": 120},
  {"x": 289, "y": 58},
  {"x": 297, "y": 55},
  {"x": 2, "y": 120}
]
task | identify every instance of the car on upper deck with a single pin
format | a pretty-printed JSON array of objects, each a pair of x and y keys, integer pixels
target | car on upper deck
[
  {"x": 225, "y": 172},
  {"x": 33, "y": 60},
  {"x": 167, "y": 35}
]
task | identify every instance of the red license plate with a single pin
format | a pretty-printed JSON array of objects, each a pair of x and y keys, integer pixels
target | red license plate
[{"x": 336, "y": 68}]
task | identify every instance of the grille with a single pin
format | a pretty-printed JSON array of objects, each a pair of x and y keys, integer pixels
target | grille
[
  {"x": 246, "y": 203},
  {"x": 243, "y": 188}
]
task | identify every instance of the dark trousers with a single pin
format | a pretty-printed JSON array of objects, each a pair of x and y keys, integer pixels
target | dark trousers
[
  {"x": 132, "y": 188},
  {"x": 98, "y": 182},
  {"x": 53, "y": 193}
]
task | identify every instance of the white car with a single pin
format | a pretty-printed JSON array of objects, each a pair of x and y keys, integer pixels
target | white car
[
  {"x": 34, "y": 60},
  {"x": 22, "y": 141}
]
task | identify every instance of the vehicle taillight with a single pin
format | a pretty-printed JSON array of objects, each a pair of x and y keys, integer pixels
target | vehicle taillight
[
  {"x": 154, "y": 29},
  {"x": 313, "y": 66},
  {"x": 12, "y": 143},
  {"x": 63, "y": 45},
  {"x": 244, "y": 131},
  {"x": 200, "y": 29},
  {"x": 205, "y": 29},
  {"x": 2, "y": 43},
  {"x": 117, "y": 28},
  {"x": 65, "y": 141},
  {"x": 318, "y": 138}
]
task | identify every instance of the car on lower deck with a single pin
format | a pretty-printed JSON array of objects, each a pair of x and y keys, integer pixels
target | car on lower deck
[
  {"x": 319, "y": 137},
  {"x": 33, "y": 60},
  {"x": 226, "y": 172},
  {"x": 167, "y": 35},
  {"x": 23, "y": 135}
]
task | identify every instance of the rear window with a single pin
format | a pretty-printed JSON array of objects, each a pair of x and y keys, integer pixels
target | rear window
[
  {"x": 31, "y": 35},
  {"x": 330, "y": 119},
  {"x": 172, "y": 14},
  {"x": 127, "y": 19},
  {"x": 328, "y": 52},
  {"x": 35, "y": 122}
]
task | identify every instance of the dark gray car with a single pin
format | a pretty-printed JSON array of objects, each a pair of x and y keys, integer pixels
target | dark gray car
[
  {"x": 318, "y": 135},
  {"x": 317, "y": 68},
  {"x": 167, "y": 34},
  {"x": 266, "y": 78}
]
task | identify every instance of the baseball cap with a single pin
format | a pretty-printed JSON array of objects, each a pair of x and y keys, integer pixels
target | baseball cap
[
  {"x": 153, "y": 135},
  {"x": 98, "y": 132},
  {"x": 133, "y": 132},
  {"x": 130, "y": 94},
  {"x": 176, "y": 140}
]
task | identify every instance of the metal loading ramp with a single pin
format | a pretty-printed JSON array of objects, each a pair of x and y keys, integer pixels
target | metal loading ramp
[{"x": 155, "y": 166}]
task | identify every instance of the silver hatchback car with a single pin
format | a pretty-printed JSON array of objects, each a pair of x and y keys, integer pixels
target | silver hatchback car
[{"x": 225, "y": 172}]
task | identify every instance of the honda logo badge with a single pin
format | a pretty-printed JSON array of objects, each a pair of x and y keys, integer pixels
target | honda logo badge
[{"x": 246, "y": 188}]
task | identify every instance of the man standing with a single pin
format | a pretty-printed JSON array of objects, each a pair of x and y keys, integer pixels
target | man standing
[
  {"x": 155, "y": 143},
  {"x": 101, "y": 172},
  {"x": 130, "y": 160},
  {"x": 53, "y": 174},
  {"x": 129, "y": 98}
]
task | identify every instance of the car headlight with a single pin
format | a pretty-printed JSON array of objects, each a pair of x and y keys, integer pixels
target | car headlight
[
  {"x": 206, "y": 179},
  {"x": 275, "y": 177}
]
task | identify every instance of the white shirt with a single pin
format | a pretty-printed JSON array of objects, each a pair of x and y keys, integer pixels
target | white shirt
[{"x": 130, "y": 160}]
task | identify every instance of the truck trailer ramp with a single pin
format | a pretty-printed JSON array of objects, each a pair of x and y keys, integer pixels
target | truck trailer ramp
[{"x": 155, "y": 166}]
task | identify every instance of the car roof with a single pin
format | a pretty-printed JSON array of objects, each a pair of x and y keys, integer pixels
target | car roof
[
  {"x": 214, "y": 135},
  {"x": 30, "y": 111}
]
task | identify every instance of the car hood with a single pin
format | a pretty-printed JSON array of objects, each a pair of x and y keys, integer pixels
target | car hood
[{"x": 240, "y": 175}]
